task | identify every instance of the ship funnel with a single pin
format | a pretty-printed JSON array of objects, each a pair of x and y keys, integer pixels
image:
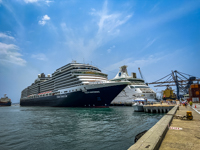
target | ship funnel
[{"x": 134, "y": 75}]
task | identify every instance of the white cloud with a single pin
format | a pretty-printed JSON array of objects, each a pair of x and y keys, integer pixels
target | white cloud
[
  {"x": 109, "y": 22},
  {"x": 93, "y": 9},
  {"x": 108, "y": 28},
  {"x": 149, "y": 43},
  {"x": 39, "y": 56},
  {"x": 110, "y": 49},
  {"x": 9, "y": 53},
  {"x": 135, "y": 63},
  {"x": 48, "y": 2},
  {"x": 30, "y": 1},
  {"x": 46, "y": 17},
  {"x": 2, "y": 35},
  {"x": 155, "y": 8},
  {"x": 167, "y": 16},
  {"x": 44, "y": 20}
]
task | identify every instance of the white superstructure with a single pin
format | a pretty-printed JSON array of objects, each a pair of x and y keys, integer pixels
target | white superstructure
[{"x": 136, "y": 89}]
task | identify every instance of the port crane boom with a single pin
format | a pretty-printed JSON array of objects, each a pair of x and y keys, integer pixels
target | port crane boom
[
  {"x": 140, "y": 73},
  {"x": 182, "y": 81}
]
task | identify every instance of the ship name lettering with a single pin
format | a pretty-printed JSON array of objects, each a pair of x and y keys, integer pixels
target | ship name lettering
[
  {"x": 62, "y": 96},
  {"x": 92, "y": 92}
]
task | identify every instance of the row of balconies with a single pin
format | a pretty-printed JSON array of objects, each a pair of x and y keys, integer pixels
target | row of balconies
[
  {"x": 67, "y": 85},
  {"x": 65, "y": 81}
]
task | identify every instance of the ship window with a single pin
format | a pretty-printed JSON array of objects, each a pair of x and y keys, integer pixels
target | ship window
[{"x": 69, "y": 90}]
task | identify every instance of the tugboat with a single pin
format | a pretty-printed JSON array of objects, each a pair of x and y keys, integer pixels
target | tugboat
[{"x": 5, "y": 101}]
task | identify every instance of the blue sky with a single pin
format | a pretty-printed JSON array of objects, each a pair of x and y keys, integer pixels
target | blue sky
[{"x": 42, "y": 35}]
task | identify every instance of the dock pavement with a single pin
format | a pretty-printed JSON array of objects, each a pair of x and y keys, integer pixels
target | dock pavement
[
  {"x": 173, "y": 134},
  {"x": 183, "y": 134},
  {"x": 196, "y": 107}
]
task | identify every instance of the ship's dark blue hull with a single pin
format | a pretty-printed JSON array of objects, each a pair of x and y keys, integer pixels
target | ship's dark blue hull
[
  {"x": 5, "y": 103},
  {"x": 98, "y": 97}
]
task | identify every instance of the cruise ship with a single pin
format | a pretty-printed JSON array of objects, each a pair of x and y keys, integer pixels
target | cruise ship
[
  {"x": 73, "y": 85},
  {"x": 136, "y": 90}
]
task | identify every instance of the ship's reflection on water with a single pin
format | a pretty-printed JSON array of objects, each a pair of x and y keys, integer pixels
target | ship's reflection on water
[{"x": 71, "y": 128}]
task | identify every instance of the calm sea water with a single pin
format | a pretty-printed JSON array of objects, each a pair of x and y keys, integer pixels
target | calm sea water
[{"x": 47, "y": 128}]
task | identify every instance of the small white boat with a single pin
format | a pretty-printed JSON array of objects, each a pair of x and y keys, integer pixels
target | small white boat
[
  {"x": 138, "y": 104},
  {"x": 138, "y": 107}
]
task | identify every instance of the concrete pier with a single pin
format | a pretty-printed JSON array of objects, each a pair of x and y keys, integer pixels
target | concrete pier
[
  {"x": 172, "y": 134},
  {"x": 157, "y": 108},
  {"x": 152, "y": 139},
  {"x": 188, "y": 138}
]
